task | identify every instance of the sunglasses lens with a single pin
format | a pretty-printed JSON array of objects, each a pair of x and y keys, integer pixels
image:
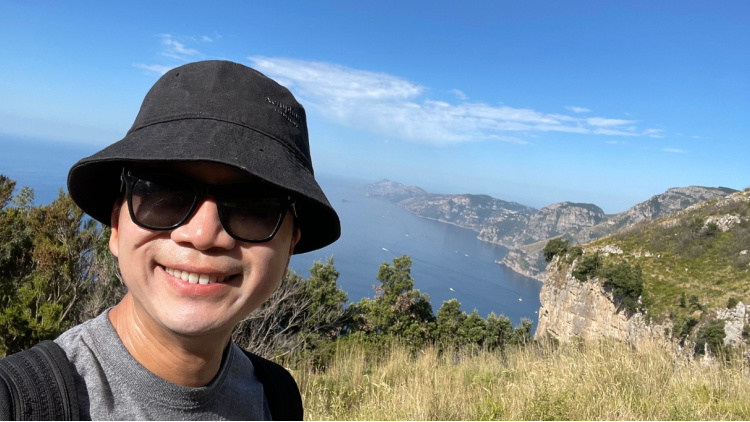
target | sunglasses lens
[
  {"x": 252, "y": 219},
  {"x": 160, "y": 206},
  {"x": 163, "y": 202}
]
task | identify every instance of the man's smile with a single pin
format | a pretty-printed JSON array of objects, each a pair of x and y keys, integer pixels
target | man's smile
[{"x": 195, "y": 278}]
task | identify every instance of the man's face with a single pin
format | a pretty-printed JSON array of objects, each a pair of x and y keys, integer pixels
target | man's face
[{"x": 154, "y": 263}]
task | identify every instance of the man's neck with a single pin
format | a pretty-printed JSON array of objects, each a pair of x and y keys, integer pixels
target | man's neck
[{"x": 182, "y": 360}]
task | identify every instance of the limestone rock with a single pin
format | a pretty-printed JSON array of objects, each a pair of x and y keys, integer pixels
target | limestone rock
[{"x": 571, "y": 308}]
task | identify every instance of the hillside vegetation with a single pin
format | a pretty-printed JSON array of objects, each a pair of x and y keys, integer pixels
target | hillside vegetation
[
  {"x": 683, "y": 272},
  {"x": 696, "y": 260},
  {"x": 576, "y": 381}
]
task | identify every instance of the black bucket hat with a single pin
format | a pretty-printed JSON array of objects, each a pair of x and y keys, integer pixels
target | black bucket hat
[{"x": 221, "y": 112}]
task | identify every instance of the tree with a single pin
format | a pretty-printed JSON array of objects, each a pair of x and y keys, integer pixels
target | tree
[
  {"x": 450, "y": 323},
  {"x": 475, "y": 328},
  {"x": 397, "y": 309},
  {"x": 588, "y": 266},
  {"x": 273, "y": 329},
  {"x": 326, "y": 316},
  {"x": 49, "y": 266},
  {"x": 556, "y": 246},
  {"x": 299, "y": 317},
  {"x": 711, "y": 335},
  {"x": 499, "y": 331},
  {"x": 626, "y": 281},
  {"x": 522, "y": 334}
]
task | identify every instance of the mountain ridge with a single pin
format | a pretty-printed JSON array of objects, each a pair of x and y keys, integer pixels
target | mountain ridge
[{"x": 525, "y": 230}]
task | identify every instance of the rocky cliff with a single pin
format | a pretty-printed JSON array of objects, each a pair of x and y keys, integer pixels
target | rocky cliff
[
  {"x": 571, "y": 308},
  {"x": 469, "y": 211},
  {"x": 694, "y": 271},
  {"x": 589, "y": 223},
  {"x": 551, "y": 221},
  {"x": 525, "y": 230}
]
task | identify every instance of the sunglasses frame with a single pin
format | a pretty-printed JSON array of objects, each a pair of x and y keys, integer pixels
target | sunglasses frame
[{"x": 129, "y": 177}]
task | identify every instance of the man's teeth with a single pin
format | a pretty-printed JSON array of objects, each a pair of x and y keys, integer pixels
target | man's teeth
[{"x": 194, "y": 278}]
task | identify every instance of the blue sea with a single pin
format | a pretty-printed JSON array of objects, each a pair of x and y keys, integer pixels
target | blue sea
[{"x": 447, "y": 261}]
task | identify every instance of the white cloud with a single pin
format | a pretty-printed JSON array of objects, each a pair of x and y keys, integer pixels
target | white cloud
[
  {"x": 600, "y": 121},
  {"x": 675, "y": 150},
  {"x": 176, "y": 49},
  {"x": 395, "y": 107},
  {"x": 575, "y": 109},
  {"x": 155, "y": 68},
  {"x": 459, "y": 94},
  {"x": 653, "y": 133}
]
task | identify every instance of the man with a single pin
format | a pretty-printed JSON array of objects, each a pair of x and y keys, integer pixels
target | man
[{"x": 208, "y": 196}]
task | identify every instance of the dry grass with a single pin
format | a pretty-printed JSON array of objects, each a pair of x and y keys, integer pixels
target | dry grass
[{"x": 603, "y": 381}]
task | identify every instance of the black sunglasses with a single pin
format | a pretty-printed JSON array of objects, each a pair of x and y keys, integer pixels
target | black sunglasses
[{"x": 160, "y": 201}]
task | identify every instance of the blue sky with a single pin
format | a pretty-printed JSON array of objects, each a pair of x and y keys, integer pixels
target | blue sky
[{"x": 605, "y": 102}]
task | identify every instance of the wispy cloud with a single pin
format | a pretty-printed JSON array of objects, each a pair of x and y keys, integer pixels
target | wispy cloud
[
  {"x": 176, "y": 50},
  {"x": 575, "y": 109},
  {"x": 675, "y": 150},
  {"x": 459, "y": 94},
  {"x": 395, "y": 107},
  {"x": 155, "y": 68},
  {"x": 653, "y": 133},
  {"x": 602, "y": 122}
]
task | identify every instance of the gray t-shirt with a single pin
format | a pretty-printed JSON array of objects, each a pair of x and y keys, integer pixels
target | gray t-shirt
[{"x": 112, "y": 385}]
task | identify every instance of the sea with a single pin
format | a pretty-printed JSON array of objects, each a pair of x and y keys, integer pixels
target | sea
[{"x": 448, "y": 262}]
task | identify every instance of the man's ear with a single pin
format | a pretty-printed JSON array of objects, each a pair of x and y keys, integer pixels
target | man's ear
[
  {"x": 114, "y": 221},
  {"x": 295, "y": 239},
  {"x": 296, "y": 235}
]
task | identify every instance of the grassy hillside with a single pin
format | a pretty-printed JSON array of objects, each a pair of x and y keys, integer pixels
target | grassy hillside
[
  {"x": 694, "y": 261},
  {"x": 604, "y": 381}
]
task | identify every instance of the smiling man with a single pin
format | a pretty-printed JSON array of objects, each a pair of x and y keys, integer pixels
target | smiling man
[{"x": 208, "y": 195}]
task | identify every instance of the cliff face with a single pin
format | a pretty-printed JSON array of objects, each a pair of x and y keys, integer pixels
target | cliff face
[
  {"x": 551, "y": 221},
  {"x": 571, "y": 308},
  {"x": 700, "y": 254},
  {"x": 574, "y": 309}
]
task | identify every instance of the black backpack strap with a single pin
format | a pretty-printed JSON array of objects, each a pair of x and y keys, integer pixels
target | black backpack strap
[
  {"x": 37, "y": 384},
  {"x": 282, "y": 393}
]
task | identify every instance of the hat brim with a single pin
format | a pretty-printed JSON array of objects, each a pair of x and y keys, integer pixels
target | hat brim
[{"x": 94, "y": 182}]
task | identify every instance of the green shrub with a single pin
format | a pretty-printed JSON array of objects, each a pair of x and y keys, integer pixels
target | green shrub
[
  {"x": 683, "y": 327},
  {"x": 588, "y": 266},
  {"x": 711, "y": 334},
  {"x": 574, "y": 253},
  {"x": 554, "y": 247},
  {"x": 626, "y": 281},
  {"x": 695, "y": 304},
  {"x": 711, "y": 230},
  {"x": 732, "y": 302}
]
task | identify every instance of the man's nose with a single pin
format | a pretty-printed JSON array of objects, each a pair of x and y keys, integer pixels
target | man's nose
[{"x": 203, "y": 229}]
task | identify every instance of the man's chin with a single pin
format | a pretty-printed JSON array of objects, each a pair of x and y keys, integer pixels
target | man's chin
[{"x": 197, "y": 327}]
